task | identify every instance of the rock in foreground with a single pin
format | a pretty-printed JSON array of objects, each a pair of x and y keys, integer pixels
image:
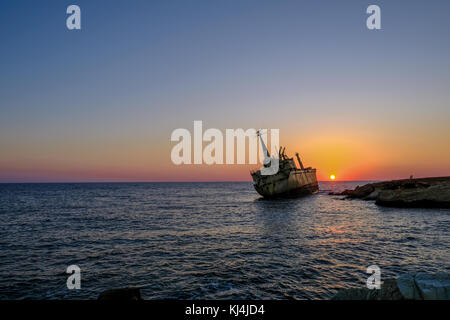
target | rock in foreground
[
  {"x": 423, "y": 286},
  {"x": 388, "y": 291},
  {"x": 420, "y": 286},
  {"x": 407, "y": 193}
]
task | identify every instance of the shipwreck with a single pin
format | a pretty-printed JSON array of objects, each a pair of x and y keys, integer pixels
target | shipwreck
[{"x": 286, "y": 182}]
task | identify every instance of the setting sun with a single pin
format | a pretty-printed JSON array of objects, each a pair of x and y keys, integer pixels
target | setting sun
[{"x": 332, "y": 177}]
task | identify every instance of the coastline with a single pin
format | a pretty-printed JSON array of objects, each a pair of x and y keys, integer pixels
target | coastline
[
  {"x": 415, "y": 286},
  {"x": 432, "y": 192}
]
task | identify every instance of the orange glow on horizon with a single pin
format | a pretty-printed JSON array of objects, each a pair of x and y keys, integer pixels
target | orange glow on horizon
[{"x": 351, "y": 153}]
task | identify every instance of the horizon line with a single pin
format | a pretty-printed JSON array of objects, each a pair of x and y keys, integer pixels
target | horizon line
[{"x": 159, "y": 181}]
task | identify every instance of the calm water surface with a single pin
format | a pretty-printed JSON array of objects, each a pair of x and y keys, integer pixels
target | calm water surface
[{"x": 206, "y": 241}]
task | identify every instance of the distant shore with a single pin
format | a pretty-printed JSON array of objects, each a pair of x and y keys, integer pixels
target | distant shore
[{"x": 431, "y": 192}]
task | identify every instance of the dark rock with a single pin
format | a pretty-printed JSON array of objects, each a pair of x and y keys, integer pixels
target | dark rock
[
  {"x": 434, "y": 196},
  {"x": 407, "y": 193},
  {"x": 433, "y": 286},
  {"x": 388, "y": 291},
  {"x": 420, "y": 286},
  {"x": 408, "y": 288},
  {"x": 123, "y": 294}
]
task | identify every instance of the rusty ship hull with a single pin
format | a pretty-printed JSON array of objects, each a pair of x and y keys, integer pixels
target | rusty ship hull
[
  {"x": 288, "y": 181},
  {"x": 297, "y": 183}
]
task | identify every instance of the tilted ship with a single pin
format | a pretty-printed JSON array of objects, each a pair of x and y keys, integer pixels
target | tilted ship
[{"x": 288, "y": 181}]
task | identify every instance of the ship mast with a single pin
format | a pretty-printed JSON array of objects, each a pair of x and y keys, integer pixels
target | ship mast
[
  {"x": 299, "y": 161},
  {"x": 265, "y": 151}
]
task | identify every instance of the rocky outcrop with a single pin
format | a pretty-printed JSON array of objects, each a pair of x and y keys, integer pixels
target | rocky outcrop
[
  {"x": 123, "y": 294},
  {"x": 420, "y": 286},
  {"x": 388, "y": 291},
  {"x": 423, "y": 286},
  {"x": 407, "y": 193},
  {"x": 407, "y": 287}
]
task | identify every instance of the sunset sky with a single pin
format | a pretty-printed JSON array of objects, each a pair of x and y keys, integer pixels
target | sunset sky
[{"x": 100, "y": 104}]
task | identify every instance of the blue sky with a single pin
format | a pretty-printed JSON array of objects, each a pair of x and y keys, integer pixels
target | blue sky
[{"x": 139, "y": 69}]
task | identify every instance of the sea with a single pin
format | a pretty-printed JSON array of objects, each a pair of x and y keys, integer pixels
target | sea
[{"x": 216, "y": 240}]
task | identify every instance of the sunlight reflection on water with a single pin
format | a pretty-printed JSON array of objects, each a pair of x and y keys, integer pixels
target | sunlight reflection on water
[{"x": 206, "y": 240}]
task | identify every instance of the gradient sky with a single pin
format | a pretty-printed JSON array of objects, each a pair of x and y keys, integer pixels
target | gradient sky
[{"x": 100, "y": 104}]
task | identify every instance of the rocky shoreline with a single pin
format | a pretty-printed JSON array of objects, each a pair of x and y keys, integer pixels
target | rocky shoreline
[
  {"x": 406, "y": 193},
  {"x": 419, "y": 286}
]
